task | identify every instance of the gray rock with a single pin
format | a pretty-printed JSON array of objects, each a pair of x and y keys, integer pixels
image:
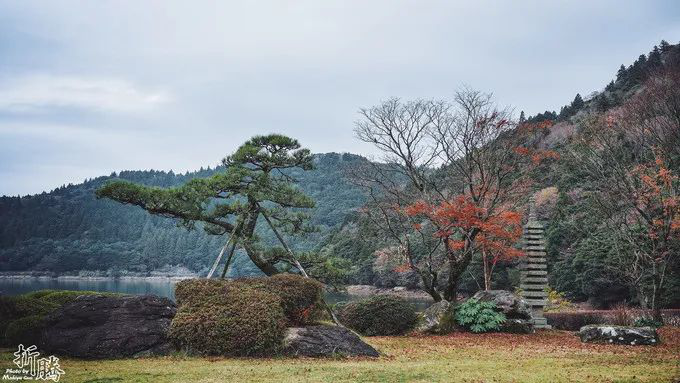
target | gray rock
[
  {"x": 619, "y": 335},
  {"x": 98, "y": 326},
  {"x": 324, "y": 341},
  {"x": 511, "y": 305},
  {"x": 517, "y": 326},
  {"x": 437, "y": 319}
]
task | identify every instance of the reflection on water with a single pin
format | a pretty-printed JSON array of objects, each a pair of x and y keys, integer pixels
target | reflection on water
[
  {"x": 137, "y": 286},
  {"x": 162, "y": 287}
]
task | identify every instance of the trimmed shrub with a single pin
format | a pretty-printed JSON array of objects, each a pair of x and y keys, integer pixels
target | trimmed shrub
[
  {"x": 197, "y": 291},
  {"x": 378, "y": 315},
  {"x": 228, "y": 320},
  {"x": 300, "y": 297},
  {"x": 25, "y": 330},
  {"x": 479, "y": 316},
  {"x": 573, "y": 321}
]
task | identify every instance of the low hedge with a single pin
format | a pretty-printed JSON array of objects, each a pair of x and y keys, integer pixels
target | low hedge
[
  {"x": 378, "y": 315},
  {"x": 300, "y": 297},
  {"x": 573, "y": 321},
  {"x": 227, "y": 319}
]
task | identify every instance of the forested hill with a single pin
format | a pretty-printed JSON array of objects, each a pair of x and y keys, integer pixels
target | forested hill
[
  {"x": 582, "y": 253},
  {"x": 67, "y": 230}
]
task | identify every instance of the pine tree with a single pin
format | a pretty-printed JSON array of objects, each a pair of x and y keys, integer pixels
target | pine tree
[
  {"x": 622, "y": 74},
  {"x": 231, "y": 202},
  {"x": 577, "y": 104},
  {"x": 665, "y": 46}
]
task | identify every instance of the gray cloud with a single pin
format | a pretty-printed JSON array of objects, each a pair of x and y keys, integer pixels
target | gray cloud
[{"x": 177, "y": 85}]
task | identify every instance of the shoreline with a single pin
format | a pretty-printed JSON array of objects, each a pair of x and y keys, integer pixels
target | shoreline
[
  {"x": 97, "y": 277},
  {"x": 352, "y": 290}
]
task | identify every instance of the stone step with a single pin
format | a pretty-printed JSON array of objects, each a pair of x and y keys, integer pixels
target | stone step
[
  {"x": 533, "y": 225},
  {"x": 536, "y": 266},
  {"x": 536, "y": 253},
  {"x": 533, "y": 241},
  {"x": 533, "y": 259},
  {"x": 533, "y": 230},
  {"x": 535, "y": 262},
  {"x": 539, "y": 321},
  {"x": 539, "y": 253},
  {"x": 533, "y": 272},
  {"x": 537, "y": 286},
  {"x": 534, "y": 294},
  {"x": 535, "y": 280},
  {"x": 533, "y": 247},
  {"x": 537, "y": 302}
]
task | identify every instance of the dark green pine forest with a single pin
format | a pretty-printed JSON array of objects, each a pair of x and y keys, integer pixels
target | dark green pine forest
[{"x": 70, "y": 231}]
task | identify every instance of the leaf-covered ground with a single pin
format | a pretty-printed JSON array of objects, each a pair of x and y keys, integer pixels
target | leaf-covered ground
[{"x": 553, "y": 356}]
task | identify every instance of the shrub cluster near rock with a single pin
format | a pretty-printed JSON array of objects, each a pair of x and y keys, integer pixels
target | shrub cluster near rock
[
  {"x": 378, "y": 315},
  {"x": 244, "y": 317},
  {"x": 228, "y": 319}
]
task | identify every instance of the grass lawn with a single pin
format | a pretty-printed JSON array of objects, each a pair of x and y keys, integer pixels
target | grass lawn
[{"x": 548, "y": 356}]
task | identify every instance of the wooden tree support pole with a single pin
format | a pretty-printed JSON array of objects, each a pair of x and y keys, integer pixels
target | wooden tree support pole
[
  {"x": 226, "y": 265},
  {"x": 224, "y": 248},
  {"x": 299, "y": 266},
  {"x": 285, "y": 246}
]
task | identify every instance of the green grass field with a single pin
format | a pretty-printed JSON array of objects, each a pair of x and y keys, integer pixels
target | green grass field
[{"x": 553, "y": 356}]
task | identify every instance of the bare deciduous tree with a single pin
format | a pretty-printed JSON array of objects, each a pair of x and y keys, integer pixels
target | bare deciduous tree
[{"x": 435, "y": 153}]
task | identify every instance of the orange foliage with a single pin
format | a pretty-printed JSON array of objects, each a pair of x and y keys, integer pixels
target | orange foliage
[
  {"x": 497, "y": 233},
  {"x": 402, "y": 268},
  {"x": 657, "y": 196}
]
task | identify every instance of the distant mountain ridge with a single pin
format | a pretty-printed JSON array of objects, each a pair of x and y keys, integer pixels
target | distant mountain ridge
[{"x": 67, "y": 230}]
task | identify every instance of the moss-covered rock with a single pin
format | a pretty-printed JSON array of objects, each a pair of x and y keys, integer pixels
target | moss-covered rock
[
  {"x": 25, "y": 330},
  {"x": 36, "y": 304}
]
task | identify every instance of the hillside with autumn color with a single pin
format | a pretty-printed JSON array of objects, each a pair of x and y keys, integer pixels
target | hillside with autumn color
[{"x": 68, "y": 231}]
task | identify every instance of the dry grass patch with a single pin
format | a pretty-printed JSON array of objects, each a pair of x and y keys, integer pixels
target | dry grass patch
[{"x": 552, "y": 356}]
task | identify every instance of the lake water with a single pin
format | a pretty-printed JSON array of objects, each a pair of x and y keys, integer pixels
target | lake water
[{"x": 137, "y": 286}]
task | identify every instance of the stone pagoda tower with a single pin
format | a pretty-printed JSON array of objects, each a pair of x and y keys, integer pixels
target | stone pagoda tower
[{"x": 534, "y": 276}]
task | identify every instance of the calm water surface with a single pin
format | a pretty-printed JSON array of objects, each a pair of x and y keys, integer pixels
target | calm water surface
[{"x": 140, "y": 286}]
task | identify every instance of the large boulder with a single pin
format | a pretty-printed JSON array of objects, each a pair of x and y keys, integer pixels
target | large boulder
[
  {"x": 437, "y": 319},
  {"x": 619, "y": 335},
  {"x": 508, "y": 303},
  {"x": 324, "y": 341},
  {"x": 98, "y": 326}
]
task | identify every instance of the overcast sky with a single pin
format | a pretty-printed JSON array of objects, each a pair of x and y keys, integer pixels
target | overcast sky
[{"x": 91, "y": 87}]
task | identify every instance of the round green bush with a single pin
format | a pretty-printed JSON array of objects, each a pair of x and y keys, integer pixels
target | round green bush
[
  {"x": 234, "y": 321},
  {"x": 378, "y": 315},
  {"x": 25, "y": 330}
]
